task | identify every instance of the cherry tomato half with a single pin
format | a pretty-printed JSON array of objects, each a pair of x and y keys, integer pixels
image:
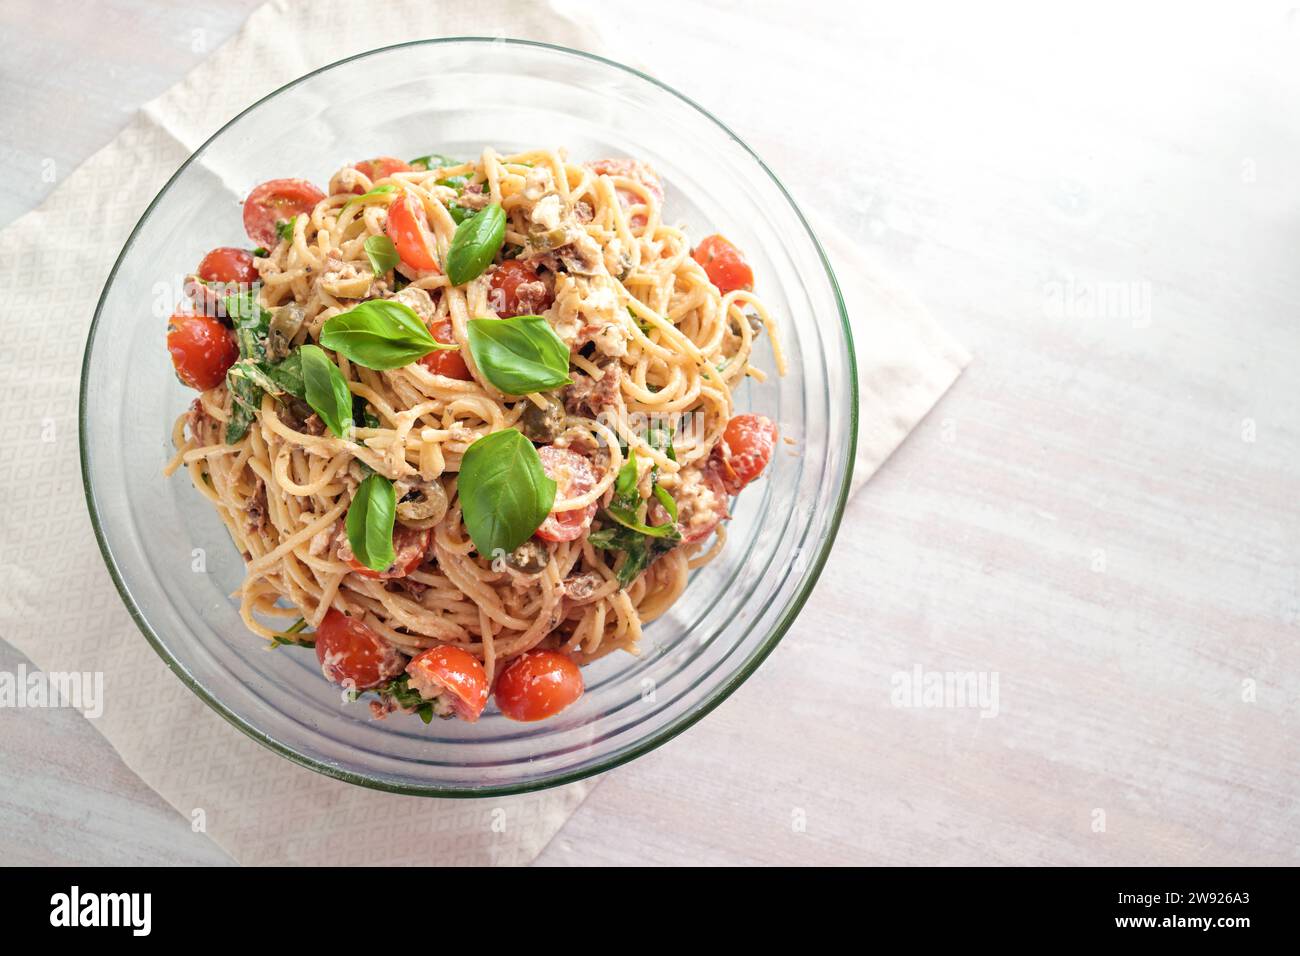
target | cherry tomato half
[
  {"x": 506, "y": 280},
  {"x": 350, "y": 651},
  {"x": 537, "y": 685},
  {"x": 381, "y": 167},
  {"x": 744, "y": 451},
  {"x": 725, "y": 266},
  {"x": 409, "y": 544},
  {"x": 573, "y": 476},
  {"x": 202, "y": 349},
  {"x": 454, "y": 672},
  {"x": 275, "y": 202},
  {"x": 446, "y": 362},
  {"x": 408, "y": 227},
  {"x": 228, "y": 264}
]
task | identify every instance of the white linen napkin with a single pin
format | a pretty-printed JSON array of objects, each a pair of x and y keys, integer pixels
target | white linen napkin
[{"x": 59, "y": 605}]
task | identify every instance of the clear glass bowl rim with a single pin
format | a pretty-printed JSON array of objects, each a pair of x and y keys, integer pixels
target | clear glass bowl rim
[{"x": 656, "y": 739}]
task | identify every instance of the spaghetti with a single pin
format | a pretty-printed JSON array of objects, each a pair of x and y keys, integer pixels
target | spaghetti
[{"x": 641, "y": 442}]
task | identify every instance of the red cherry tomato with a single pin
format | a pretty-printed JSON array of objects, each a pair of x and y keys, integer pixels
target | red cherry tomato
[
  {"x": 573, "y": 476},
  {"x": 228, "y": 264},
  {"x": 446, "y": 362},
  {"x": 745, "y": 449},
  {"x": 537, "y": 685},
  {"x": 408, "y": 227},
  {"x": 381, "y": 167},
  {"x": 275, "y": 202},
  {"x": 455, "y": 673},
  {"x": 409, "y": 544},
  {"x": 350, "y": 651},
  {"x": 202, "y": 349},
  {"x": 725, "y": 266},
  {"x": 222, "y": 272},
  {"x": 506, "y": 280}
]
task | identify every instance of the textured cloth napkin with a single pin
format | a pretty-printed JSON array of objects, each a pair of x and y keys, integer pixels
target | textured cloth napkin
[{"x": 53, "y": 263}]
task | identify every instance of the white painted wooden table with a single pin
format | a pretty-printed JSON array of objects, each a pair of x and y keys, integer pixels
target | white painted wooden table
[{"x": 1105, "y": 208}]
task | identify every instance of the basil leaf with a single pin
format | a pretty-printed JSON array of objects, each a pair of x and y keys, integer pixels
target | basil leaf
[
  {"x": 261, "y": 252},
  {"x": 476, "y": 242},
  {"x": 382, "y": 254},
  {"x": 380, "y": 334},
  {"x": 286, "y": 375},
  {"x": 459, "y": 213},
  {"x": 326, "y": 390},
  {"x": 504, "y": 493},
  {"x": 372, "y": 194},
  {"x": 370, "y": 523},
  {"x": 284, "y": 228},
  {"x": 252, "y": 324},
  {"x": 434, "y": 161},
  {"x": 519, "y": 355},
  {"x": 247, "y": 398}
]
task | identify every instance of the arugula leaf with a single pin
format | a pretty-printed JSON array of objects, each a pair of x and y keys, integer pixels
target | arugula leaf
[
  {"x": 475, "y": 244},
  {"x": 326, "y": 390},
  {"x": 369, "y": 523},
  {"x": 288, "y": 637},
  {"x": 400, "y": 692},
  {"x": 625, "y": 506},
  {"x": 251, "y": 322},
  {"x": 382, "y": 254},
  {"x": 640, "y": 550},
  {"x": 380, "y": 334},
  {"x": 519, "y": 355},
  {"x": 504, "y": 493}
]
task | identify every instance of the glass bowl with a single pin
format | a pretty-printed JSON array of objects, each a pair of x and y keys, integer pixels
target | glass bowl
[{"x": 172, "y": 560}]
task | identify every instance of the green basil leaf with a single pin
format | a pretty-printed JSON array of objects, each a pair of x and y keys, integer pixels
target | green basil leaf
[
  {"x": 459, "y": 213},
  {"x": 372, "y": 194},
  {"x": 261, "y": 252},
  {"x": 380, "y": 334},
  {"x": 326, "y": 390},
  {"x": 284, "y": 228},
  {"x": 237, "y": 425},
  {"x": 434, "y": 161},
  {"x": 382, "y": 254},
  {"x": 519, "y": 355},
  {"x": 370, "y": 523},
  {"x": 504, "y": 493},
  {"x": 286, "y": 375},
  {"x": 477, "y": 241},
  {"x": 251, "y": 322},
  {"x": 457, "y": 183}
]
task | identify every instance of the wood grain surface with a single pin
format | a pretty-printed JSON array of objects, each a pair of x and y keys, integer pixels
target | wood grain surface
[{"x": 1103, "y": 206}]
